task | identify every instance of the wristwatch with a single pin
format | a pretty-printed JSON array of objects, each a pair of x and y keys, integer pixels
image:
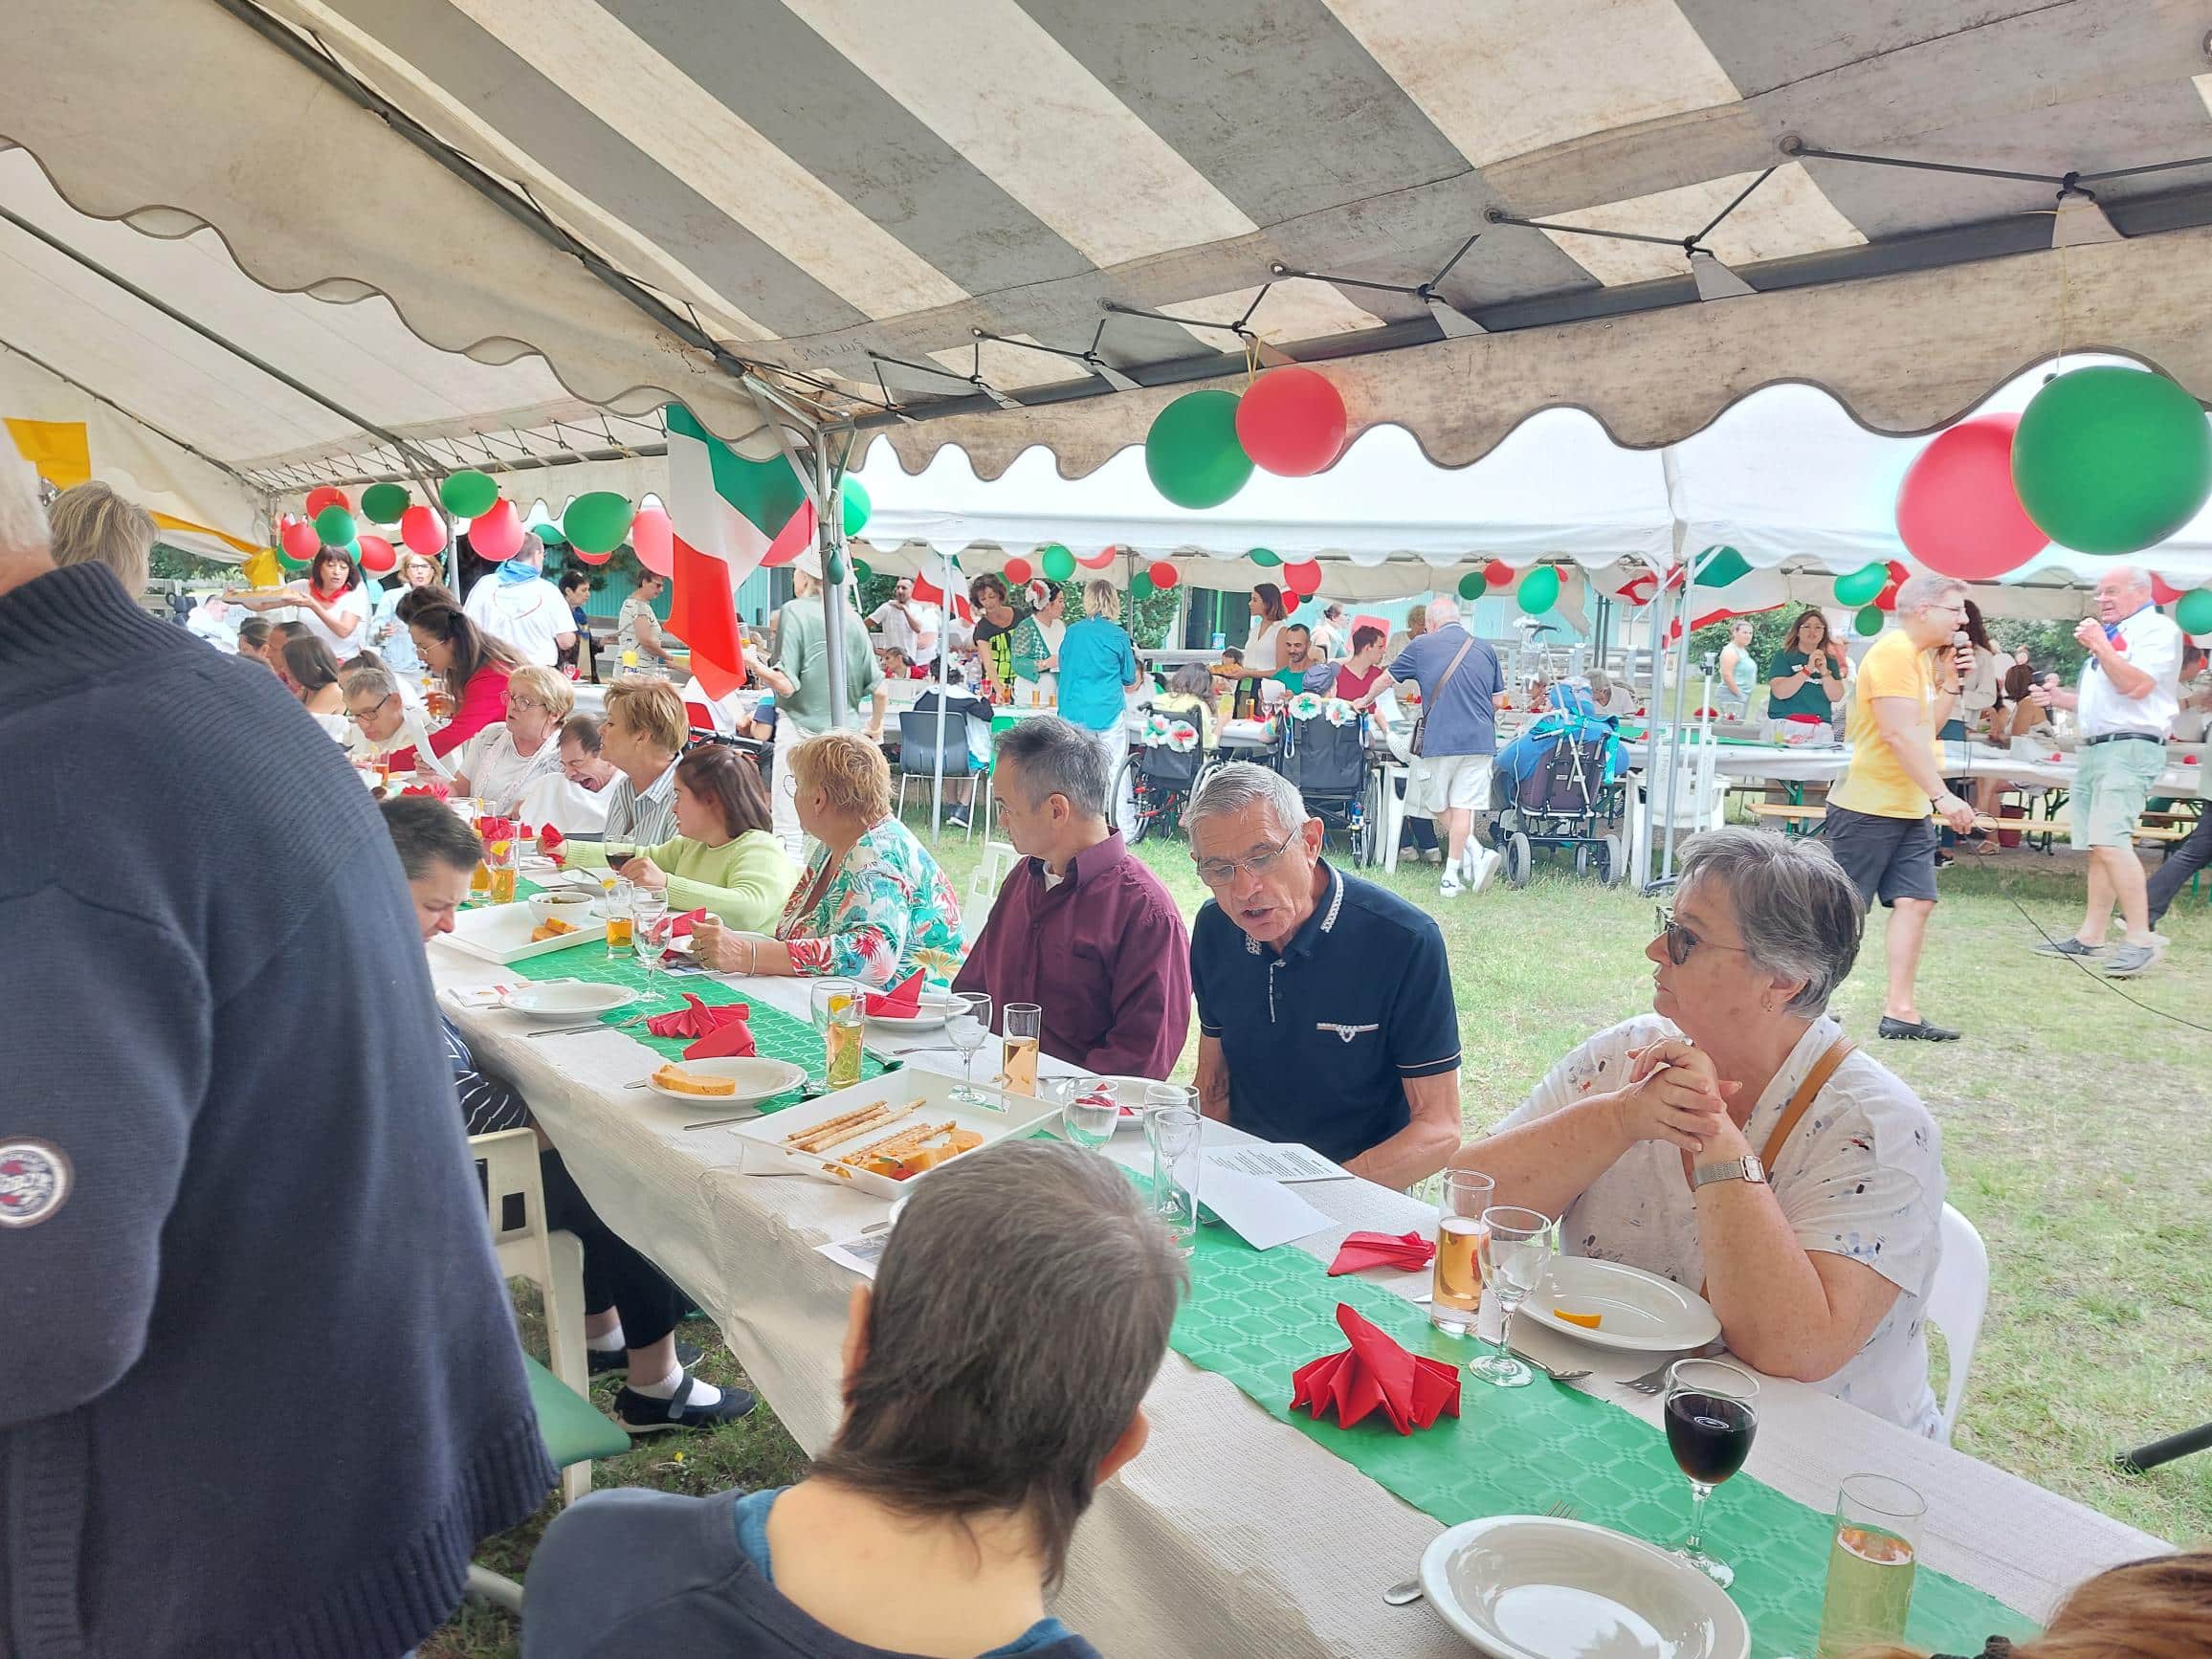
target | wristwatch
[{"x": 1745, "y": 1168}]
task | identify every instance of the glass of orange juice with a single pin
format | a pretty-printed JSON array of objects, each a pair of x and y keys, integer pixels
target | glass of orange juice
[
  {"x": 621, "y": 925},
  {"x": 1455, "y": 1298}
]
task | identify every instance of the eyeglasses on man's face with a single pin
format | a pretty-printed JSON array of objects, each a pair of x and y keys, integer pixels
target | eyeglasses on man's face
[{"x": 1221, "y": 871}]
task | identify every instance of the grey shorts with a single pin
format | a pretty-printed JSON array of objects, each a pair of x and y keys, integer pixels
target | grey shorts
[{"x": 1886, "y": 858}]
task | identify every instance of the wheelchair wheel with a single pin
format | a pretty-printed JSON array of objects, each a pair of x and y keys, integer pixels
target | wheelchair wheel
[
  {"x": 1129, "y": 801},
  {"x": 1518, "y": 859},
  {"x": 1361, "y": 828},
  {"x": 1612, "y": 861}
]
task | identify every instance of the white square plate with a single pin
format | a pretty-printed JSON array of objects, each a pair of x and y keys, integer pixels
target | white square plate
[
  {"x": 500, "y": 932},
  {"x": 896, "y": 1089}
]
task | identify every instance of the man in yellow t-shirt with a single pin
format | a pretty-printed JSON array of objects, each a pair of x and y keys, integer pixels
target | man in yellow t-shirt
[{"x": 1879, "y": 824}]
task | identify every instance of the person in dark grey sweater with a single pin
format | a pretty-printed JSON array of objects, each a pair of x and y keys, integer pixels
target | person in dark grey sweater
[
  {"x": 260, "y": 1392},
  {"x": 983, "y": 1408}
]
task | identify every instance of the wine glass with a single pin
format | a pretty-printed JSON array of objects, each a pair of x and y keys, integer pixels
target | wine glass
[
  {"x": 1089, "y": 1110},
  {"x": 1515, "y": 1245},
  {"x": 968, "y": 1030},
  {"x": 1711, "y": 1414},
  {"x": 648, "y": 911}
]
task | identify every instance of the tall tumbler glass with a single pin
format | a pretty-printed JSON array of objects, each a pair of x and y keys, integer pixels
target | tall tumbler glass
[
  {"x": 1871, "y": 1560},
  {"x": 1175, "y": 1133}
]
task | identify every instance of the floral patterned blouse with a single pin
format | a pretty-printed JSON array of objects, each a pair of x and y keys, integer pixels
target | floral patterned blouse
[{"x": 887, "y": 910}]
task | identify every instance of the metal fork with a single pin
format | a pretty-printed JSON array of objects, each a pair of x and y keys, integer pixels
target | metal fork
[
  {"x": 1653, "y": 1382},
  {"x": 1406, "y": 1594},
  {"x": 595, "y": 1026}
]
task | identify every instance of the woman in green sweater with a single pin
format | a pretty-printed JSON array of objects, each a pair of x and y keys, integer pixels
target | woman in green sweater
[{"x": 724, "y": 856}]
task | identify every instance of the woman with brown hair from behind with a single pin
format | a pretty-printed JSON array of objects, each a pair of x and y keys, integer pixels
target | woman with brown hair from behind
[{"x": 2159, "y": 1609}]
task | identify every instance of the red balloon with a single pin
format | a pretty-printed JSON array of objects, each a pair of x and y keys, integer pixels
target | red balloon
[
  {"x": 1291, "y": 422},
  {"x": 1099, "y": 559},
  {"x": 378, "y": 556},
  {"x": 1291, "y": 603},
  {"x": 1499, "y": 573},
  {"x": 423, "y": 531},
  {"x": 794, "y": 539},
  {"x": 300, "y": 539},
  {"x": 1887, "y": 599},
  {"x": 497, "y": 531},
  {"x": 2161, "y": 592},
  {"x": 583, "y": 558},
  {"x": 1302, "y": 578},
  {"x": 1163, "y": 575},
  {"x": 1956, "y": 509},
  {"x": 1899, "y": 571},
  {"x": 654, "y": 539},
  {"x": 327, "y": 496},
  {"x": 1018, "y": 571}
]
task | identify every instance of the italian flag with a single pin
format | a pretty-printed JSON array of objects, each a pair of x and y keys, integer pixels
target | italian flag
[{"x": 727, "y": 513}]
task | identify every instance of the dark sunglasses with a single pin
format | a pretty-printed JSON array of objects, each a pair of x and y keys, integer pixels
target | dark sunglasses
[{"x": 1680, "y": 941}]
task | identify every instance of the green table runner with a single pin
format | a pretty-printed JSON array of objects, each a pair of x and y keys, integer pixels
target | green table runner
[
  {"x": 1256, "y": 1316},
  {"x": 776, "y": 1035}
]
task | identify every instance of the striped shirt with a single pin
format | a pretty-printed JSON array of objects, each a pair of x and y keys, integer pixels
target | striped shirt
[
  {"x": 488, "y": 1105},
  {"x": 643, "y": 820}
]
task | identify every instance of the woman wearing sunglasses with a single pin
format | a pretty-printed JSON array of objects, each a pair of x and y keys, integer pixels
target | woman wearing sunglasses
[{"x": 1734, "y": 1139}]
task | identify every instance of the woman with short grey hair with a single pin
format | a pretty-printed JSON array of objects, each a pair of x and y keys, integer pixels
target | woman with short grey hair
[{"x": 1734, "y": 1139}]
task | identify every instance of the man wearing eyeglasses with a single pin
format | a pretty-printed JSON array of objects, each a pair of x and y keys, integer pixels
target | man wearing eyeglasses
[
  {"x": 1324, "y": 1002},
  {"x": 383, "y": 724},
  {"x": 1879, "y": 823}
]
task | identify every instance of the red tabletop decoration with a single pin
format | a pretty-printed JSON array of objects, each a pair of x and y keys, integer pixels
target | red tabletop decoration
[
  {"x": 696, "y": 1018},
  {"x": 1412, "y": 1391},
  {"x": 1383, "y": 1250},
  {"x": 902, "y": 1002}
]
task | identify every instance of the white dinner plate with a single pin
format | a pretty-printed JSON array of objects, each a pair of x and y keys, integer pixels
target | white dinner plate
[
  {"x": 1532, "y": 1587},
  {"x": 757, "y": 1080},
  {"x": 560, "y": 999},
  {"x": 934, "y": 1013},
  {"x": 1638, "y": 1312}
]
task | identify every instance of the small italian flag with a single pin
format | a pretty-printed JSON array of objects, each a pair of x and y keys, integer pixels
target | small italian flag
[{"x": 727, "y": 513}]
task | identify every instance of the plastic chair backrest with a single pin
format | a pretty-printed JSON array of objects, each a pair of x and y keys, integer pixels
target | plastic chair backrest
[
  {"x": 1956, "y": 1304},
  {"x": 701, "y": 717},
  {"x": 918, "y": 746}
]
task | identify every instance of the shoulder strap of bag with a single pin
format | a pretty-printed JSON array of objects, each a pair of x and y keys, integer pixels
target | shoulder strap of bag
[
  {"x": 1421, "y": 722},
  {"x": 1453, "y": 668},
  {"x": 1800, "y": 1102}
]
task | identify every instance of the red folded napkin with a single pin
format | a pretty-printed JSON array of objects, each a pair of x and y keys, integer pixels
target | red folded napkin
[
  {"x": 1375, "y": 1371},
  {"x": 550, "y": 846},
  {"x": 1383, "y": 1250},
  {"x": 679, "y": 926},
  {"x": 733, "y": 1040},
  {"x": 435, "y": 790},
  {"x": 902, "y": 1002},
  {"x": 697, "y": 1019}
]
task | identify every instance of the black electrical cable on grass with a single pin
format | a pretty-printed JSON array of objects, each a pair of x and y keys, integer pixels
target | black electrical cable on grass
[{"x": 2099, "y": 979}]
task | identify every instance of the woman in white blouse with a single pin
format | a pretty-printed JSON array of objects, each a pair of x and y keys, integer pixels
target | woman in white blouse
[
  {"x": 1734, "y": 1140},
  {"x": 1261, "y": 648},
  {"x": 501, "y": 761},
  {"x": 331, "y": 604}
]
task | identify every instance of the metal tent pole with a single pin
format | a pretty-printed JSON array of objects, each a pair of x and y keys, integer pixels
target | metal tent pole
[{"x": 943, "y": 700}]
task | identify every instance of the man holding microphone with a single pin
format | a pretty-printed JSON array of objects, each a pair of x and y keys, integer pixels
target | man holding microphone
[
  {"x": 2131, "y": 689},
  {"x": 1878, "y": 823}
]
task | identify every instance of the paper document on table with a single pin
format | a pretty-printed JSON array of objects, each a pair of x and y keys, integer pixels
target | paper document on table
[
  {"x": 1265, "y": 1213},
  {"x": 1287, "y": 1162},
  {"x": 860, "y": 1254}
]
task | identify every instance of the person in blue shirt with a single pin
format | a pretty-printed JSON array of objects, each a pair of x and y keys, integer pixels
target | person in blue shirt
[
  {"x": 1098, "y": 669},
  {"x": 982, "y": 1411},
  {"x": 1324, "y": 1002}
]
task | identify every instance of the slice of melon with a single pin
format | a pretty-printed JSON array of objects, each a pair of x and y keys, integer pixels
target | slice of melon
[{"x": 1588, "y": 1321}]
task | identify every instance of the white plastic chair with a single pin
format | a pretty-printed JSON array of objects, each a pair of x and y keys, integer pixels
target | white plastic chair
[
  {"x": 1956, "y": 1304},
  {"x": 982, "y": 892}
]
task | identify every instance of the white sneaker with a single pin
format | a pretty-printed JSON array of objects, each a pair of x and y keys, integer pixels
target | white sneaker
[
  {"x": 1450, "y": 886},
  {"x": 1485, "y": 864}
]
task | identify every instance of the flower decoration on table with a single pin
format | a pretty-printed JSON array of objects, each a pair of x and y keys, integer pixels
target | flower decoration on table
[
  {"x": 1375, "y": 1373},
  {"x": 1404, "y": 1251},
  {"x": 696, "y": 1018},
  {"x": 1339, "y": 713},
  {"x": 1305, "y": 706}
]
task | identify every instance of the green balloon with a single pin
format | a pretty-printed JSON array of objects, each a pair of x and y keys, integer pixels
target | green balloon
[
  {"x": 1861, "y": 586},
  {"x": 1262, "y": 557},
  {"x": 1868, "y": 622},
  {"x": 287, "y": 561},
  {"x": 1472, "y": 586},
  {"x": 1539, "y": 591},
  {"x": 1140, "y": 585},
  {"x": 597, "y": 522},
  {"x": 857, "y": 507},
  {"x": 2192, "y": 611},
  {"x": 468, "y": 494},
  {"x": 2111, "y": 460},
  {"x": 383, "y": 504},
  {"x": 1722, "y": 566},
  {"x": 549, "y": 534},
  {"x": 335, "y": 526},
  {"x": 1192, "y": 452},
  {"x": 1058, "y": 562},
  {"x": 862, "y": 570},
  {"x": 834, "y": 569}
]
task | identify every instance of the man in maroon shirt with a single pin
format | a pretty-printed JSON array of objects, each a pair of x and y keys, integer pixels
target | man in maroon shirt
[{"x": 1080, "y": 928}]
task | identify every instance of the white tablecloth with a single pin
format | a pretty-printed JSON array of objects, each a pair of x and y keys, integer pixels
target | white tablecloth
[{"x": 1232, "y": 1533}]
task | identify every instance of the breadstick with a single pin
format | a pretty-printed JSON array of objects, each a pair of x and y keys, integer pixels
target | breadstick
[
  {"x": 839, "y": 1136},
  {"x": 812, "y": 1139},
  {"x": 842, "y": 1118},
  {"x": 891, "y": 1146}
]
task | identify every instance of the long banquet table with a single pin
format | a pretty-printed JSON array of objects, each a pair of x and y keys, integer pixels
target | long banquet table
[{"x": 1232, "y": 1534}]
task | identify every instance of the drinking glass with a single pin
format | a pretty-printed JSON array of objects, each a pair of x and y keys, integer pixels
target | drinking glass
[
  {"x": 968, "y": 1030},
  {"x": 1175, "y": 1133},
  {"x": 500, "y": 859},
  {"x": 621, "y": 924},
  {"x": 650, "y": 912},
  {"x": 1515, "y": 1245},
  {"x": 1455, "y": 1298},
  {"x": 842, "y": 1043},
  {"x": 1022, "y": 1030},
  {"x": 1871, "y": 1565},
  {"x": 1160, "y": 1098},
  {"x": 1711, "y": 1414},
  {"x": 1089, "y": 1110},
  {"x": 823, "y": 998}
]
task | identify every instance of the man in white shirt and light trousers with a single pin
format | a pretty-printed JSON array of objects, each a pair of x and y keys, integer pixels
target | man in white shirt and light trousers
[{"x": 2130, "y": 693}]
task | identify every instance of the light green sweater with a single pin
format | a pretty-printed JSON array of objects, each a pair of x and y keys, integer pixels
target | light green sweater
[{"x": 745, "y": 882}]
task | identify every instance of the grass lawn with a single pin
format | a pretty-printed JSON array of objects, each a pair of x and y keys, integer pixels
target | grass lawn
[{"x": 2076, "y": 1138}]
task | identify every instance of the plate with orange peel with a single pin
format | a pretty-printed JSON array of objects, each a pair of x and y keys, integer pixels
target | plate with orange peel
[{"x": 1612, "y": 1305}]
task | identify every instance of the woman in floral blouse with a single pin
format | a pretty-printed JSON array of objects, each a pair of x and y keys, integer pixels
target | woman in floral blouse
[{"x": 873, "y": 905}]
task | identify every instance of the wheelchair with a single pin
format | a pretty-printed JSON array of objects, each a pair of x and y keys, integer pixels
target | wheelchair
[
  {"x": 1324, "y": 752},
  {"x": 1565, "y": 804},
  {"x": 1153, "y": 783}
]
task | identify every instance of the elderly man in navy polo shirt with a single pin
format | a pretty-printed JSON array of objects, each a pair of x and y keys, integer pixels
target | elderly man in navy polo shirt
[{"x": 1324, "y": 1002}]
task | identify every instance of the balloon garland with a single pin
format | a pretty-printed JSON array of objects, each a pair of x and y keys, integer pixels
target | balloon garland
[{"x": 1201, "y": 448}]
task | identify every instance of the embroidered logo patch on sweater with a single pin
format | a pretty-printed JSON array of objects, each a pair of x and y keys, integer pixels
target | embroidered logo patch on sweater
[{"x": 35, "y": 1181}]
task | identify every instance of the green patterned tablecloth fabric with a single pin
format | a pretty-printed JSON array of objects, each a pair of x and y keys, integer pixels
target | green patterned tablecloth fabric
[
  {"x": 1257, "y": 1316},
  {"x": 776, "y": 1035}
]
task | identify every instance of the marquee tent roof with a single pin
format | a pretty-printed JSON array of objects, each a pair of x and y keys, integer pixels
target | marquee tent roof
[{"x": 463, "y": 219}]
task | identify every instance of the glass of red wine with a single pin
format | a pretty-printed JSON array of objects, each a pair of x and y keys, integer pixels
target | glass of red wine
[{"x": 1711, "y": 1414}]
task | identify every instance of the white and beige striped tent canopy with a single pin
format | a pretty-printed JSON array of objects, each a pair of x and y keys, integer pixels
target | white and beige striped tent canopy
[{"x": 504, "y": 229}]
